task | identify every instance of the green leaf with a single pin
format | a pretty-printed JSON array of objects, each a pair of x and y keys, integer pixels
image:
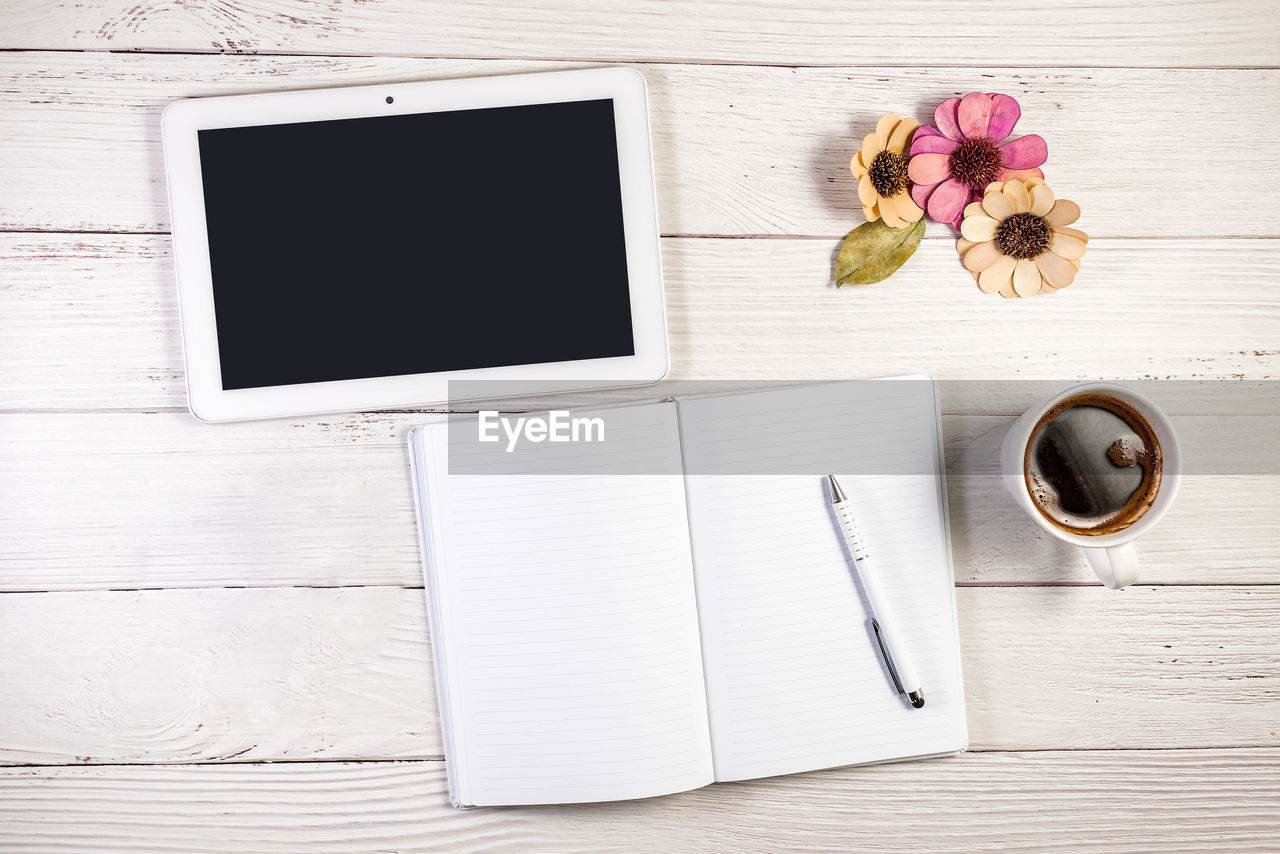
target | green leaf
[{"x": 874, "y": 251}]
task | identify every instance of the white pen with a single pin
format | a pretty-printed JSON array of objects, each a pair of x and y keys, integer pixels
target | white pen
[{"x": 891, "y": 647}]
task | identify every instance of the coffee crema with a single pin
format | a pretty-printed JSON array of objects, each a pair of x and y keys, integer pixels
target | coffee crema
[{"x": 1092, "y": 464}]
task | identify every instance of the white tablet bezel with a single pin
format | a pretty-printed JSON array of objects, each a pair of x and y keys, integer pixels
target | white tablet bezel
[{"x": 183, "y": 119}]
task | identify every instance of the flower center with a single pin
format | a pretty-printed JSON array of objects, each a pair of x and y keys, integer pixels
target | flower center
[
  {"x": 888, "y": 172},
  {"x": 976, "y": 162},
  {"x": 1022, "y": 235}
]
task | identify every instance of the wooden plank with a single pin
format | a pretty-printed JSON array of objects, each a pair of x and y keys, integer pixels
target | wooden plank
[
  {"x": 1094, "y": 802},
  {"x": 217, "y": 675},
  {"x": 135, "y": 501},
  {"x": 1220, "y": 530},
  {"x": 745, "y": 310},
  {"x": 127, "y": 501},
  {"x": 178, "y": 676},
  {"x": 824, "y": 32},
  {"x": 744, "y": 150}
]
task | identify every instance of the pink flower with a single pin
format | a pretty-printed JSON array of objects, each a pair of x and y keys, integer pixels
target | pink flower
[{"x": 953, "y": 163}]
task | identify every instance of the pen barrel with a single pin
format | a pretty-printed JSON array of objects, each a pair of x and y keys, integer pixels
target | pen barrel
[{"x": 879, "y": 603}]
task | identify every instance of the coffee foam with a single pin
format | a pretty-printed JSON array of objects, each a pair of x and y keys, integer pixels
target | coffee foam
[{"x": 1139, "y": 449}]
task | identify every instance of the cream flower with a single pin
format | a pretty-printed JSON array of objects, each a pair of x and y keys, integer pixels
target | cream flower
[
  {"x": 1016, "y": 241},
  {"x": 881, "y": 170}
]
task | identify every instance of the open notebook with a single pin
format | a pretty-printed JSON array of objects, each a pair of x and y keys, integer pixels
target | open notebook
[{"x": 686, "y": 612}]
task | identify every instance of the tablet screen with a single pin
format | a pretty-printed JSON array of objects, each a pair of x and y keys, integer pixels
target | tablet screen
[{"x": 409, "y": 244}]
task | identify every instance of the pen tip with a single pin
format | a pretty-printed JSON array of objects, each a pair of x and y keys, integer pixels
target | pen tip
[
  {"x": 837, "y": 494},
  {"x": 916, "y": 698}
]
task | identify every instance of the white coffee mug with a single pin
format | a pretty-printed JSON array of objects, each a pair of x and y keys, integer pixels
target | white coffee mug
[{"x": 1112, "y": 556}]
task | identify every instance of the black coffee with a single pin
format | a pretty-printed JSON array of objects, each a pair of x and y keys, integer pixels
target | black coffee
[{"x": 1092, "y": 464}]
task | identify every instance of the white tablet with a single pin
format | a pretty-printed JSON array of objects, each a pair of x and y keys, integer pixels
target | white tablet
[{"x": 358, "y": 248}]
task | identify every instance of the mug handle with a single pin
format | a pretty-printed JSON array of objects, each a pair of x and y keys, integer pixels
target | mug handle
[{"x": 1117, "y": 566}]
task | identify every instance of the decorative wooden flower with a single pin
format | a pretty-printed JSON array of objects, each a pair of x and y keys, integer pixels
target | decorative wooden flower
[
  {"x": 1017, "y": 240},
  {"x": 881, "y": 170},
  {"x": 952, "y": 163},
  {"x": 968, "y": 173}
]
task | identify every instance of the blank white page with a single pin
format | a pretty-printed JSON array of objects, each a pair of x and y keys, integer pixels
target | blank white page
[
  {"x": 795, "y": 680},
  {"x": 563, "y": 615}
]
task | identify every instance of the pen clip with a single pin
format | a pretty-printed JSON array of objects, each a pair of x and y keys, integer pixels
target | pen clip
[{"x": 888, "y": 660}]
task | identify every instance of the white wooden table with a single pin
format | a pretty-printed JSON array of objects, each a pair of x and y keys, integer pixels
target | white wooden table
[{"x": 213, "y": 639}]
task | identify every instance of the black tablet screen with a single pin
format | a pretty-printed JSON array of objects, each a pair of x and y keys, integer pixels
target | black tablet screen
[{"x": 417, "y": 243}]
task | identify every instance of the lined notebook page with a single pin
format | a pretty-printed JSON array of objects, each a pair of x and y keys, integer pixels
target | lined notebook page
[
  {"x": 564, "y": 618},
  {"x": 795, "y": 681}
]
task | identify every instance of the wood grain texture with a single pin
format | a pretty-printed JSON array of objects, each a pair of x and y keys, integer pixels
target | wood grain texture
[
  {"x": 105, "y": 482},
  {"x": 217, "y": 675},
  {"x": 91, "y": 321},
  {"x": 176, "y": 676},
  {"x": 134, "y": 500},
  {"x": 1070, "y": 803},
  {"x": 737, "y": 150},
  {"x": 823, "y": 32}
]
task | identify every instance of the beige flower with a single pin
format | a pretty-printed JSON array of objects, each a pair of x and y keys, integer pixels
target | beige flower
[
  {"x": 1016, "y": 241},
  {"x": 881, "y": 170}
]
